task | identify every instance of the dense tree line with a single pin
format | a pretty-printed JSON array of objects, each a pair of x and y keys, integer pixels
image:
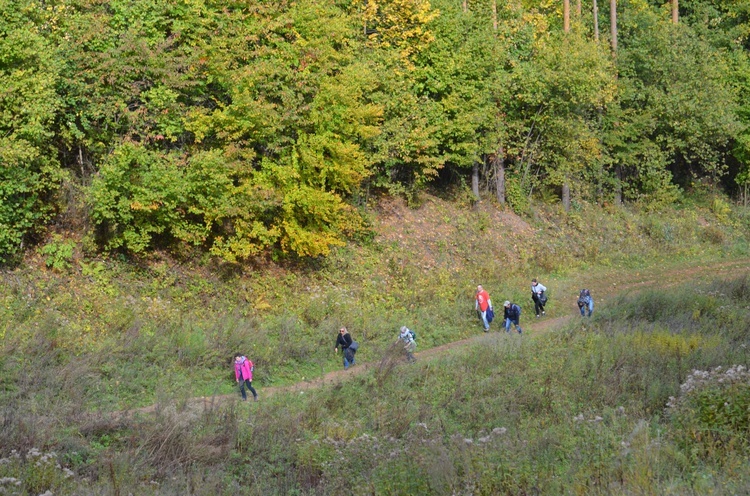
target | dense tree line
[{"x": 243, "y": 127}]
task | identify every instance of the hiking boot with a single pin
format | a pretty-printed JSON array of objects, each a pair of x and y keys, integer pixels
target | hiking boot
[
  {"x": 255, "y": 398},
  {"x": 543, "y": 312},
  {"x": 537, "y": 316}
]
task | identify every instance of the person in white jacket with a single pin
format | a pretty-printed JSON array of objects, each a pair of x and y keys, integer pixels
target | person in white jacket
[
  {"x": 537, "y": 294},
  {"x": 410, "y": 345}
]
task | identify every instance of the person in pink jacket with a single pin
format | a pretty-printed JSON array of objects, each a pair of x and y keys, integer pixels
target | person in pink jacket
[{"x": 243, "y": 372}]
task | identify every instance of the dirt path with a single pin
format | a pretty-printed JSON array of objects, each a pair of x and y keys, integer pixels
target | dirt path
[{"x": 600, "y": 286}]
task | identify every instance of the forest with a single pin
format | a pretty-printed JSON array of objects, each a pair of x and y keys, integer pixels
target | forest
[
  {"x": 247, "y": 129},
  {"x": 183, "y": 181}
]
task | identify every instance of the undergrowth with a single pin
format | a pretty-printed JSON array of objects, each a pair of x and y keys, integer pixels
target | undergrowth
[
  {"x": 91, "y": 336},
  {"x": 649, "y": 396}
]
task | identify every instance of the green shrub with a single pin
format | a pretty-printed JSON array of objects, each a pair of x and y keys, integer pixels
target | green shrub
[
  {"x": 58, "y": 254},
  {"x": 721, "y": 209},
  {"x": 517, "y": 198}
]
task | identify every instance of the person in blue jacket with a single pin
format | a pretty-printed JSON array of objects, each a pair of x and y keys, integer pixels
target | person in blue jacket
[
  {"x": 585, "y": 302},
  {"x": 512, "y": 316}
]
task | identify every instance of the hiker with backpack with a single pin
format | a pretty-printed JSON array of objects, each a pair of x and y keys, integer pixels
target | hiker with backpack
[
  {"x": 585, "y": 301},
  {"x": 409, "y": 338},
  {"x": 537, "y": 294},
  {"x": 348, "y": 346},
  {"x": 483, "y": 304},
  {"x": 243, "y": 372},
  {"x": 512, "y": 316}
]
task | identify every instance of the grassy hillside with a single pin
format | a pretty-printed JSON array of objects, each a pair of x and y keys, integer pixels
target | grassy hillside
[
  {"x": 107, "y": 334},
  {"x": 648, "y": 397}
]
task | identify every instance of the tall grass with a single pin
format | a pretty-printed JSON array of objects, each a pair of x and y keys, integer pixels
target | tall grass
[{"x": 600, "y": 406}]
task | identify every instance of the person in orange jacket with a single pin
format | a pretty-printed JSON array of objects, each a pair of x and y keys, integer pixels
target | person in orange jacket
[{"x": 482, "y": 304}]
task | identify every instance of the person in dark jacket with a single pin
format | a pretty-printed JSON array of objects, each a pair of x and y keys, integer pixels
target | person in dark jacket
[
  {"x": 537, "y": 294},
  {"x": 512, "y": 315},
  {"x": 344, "y": 339}
]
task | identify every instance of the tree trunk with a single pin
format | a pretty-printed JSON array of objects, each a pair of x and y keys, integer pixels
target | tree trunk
[
  {"x": 494, "y": 15},
  {"x": 566, "y": 15},
  {"x": 675, "y": 12},
  {"x": 618, "y": 185},
  {"x": 499, "y": 164},
  {"x": 596, "y": 21},
  {"x": 578, "y": 8},
  {"x": 613, "y": 23},
  {"x": 475, "y": 180},
  {"x": 566, "y": 196},
  {"x": 499, "y": 161},
  {"x": 465, "y": 6}
]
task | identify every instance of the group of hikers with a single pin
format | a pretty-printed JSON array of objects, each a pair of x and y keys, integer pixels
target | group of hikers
[
  {"x": 512, "y": 311},
  {"x": 243, "y": 368}
]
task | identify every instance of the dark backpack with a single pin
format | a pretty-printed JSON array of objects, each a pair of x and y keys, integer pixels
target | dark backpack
[
  {"x": 413, "y": 334},
  {"x": 583, "y": 297},
  {"x": 518, "y": 307}
]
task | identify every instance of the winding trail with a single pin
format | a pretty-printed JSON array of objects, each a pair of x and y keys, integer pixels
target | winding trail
[{"x": 626, "y": 282}]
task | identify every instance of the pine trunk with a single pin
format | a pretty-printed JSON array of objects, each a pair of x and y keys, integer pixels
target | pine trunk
[
  {"x": 675, "y": 11},
  {"x": 566, "y": 196},
  {"x": 566, "y": 15}
]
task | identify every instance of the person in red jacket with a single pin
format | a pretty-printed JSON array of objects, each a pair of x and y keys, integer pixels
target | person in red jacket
[
  {"x": 243, "y": 372},
  {"x": 482, "y": 304}
]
